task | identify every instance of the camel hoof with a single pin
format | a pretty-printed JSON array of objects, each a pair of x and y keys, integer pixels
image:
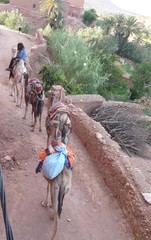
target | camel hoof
[
  {"x": 24, "y": 118},
  {"x": 51, "y": 215},
  {"x": 44, "y": 204}
]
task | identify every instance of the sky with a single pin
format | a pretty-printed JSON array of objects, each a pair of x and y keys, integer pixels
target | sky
[{"x": 136, "y": 6}]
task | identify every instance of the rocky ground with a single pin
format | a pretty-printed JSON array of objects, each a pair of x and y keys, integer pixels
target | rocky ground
[{"x": 90, "y": 210}]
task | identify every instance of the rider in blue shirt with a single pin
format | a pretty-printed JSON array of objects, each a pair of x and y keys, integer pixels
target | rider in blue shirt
[{"x": 21, "y": 54}]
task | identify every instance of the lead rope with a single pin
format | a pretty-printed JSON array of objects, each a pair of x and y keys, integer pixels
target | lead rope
[{"x": 8, "y": 229}]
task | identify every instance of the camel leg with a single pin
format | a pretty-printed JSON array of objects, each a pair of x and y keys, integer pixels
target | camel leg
[
  {"x": 45, "y": 202},
  {"x": 26, "y": 103},
  {"x": 13, "y": 91},
  {"x": 21, "y": 96},
  {"x": 54, "y": 197},
  {"x": 17, "y": 97},
  {"x": 26, "y": 109},
  {"x": 35, "y": 121},
  {"x": 40, "y": 123},
  {"x": 14, "y": 100},
  {"x": 32, "y": 113}
]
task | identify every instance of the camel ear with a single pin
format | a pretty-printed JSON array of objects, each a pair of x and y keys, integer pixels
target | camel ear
[{"x": 14, "y": 51}]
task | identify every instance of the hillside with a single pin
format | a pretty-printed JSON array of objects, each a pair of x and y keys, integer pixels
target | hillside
[{"x": 107, "y": 5}]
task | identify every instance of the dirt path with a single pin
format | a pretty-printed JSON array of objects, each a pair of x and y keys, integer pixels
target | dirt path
[{"x": 90, "y": 212}]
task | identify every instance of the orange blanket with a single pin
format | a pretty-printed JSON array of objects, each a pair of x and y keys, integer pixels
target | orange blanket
[{"x": 44, "y": 153}]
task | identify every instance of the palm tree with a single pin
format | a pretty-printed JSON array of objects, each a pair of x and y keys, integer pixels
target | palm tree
[
  {"x": 128, "y": 26},
  {"x": 132, "y": 27},
  {"x": 54, "y": 9},
  {"x": 107, "y": 24}
]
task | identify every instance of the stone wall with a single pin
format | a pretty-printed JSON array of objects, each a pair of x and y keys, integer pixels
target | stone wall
[{"x": 116, "y": 171}]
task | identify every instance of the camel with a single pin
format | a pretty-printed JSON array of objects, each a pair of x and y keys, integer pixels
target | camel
[
  {"x": 34, "y": 95},
  {"x": 18, "y": 82},
  {"x": 58, "y": 188},
  {"x": 58, "y": 115},
  {"x": 57, "y": 128}
]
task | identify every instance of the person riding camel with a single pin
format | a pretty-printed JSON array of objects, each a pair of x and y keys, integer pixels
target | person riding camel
[{"x": 21, "y": 54}]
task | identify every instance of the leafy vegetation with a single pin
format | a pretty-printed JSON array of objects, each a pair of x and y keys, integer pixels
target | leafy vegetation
[
  {"x": 89, "y": 17},
  {"x": 4, "y": 1},
  {"x": 76, "y": 59},
  {"x": 141, "y": 81},
  {"x": 53, "y": 75},
  {"x": 130, "y": 34},
  {"x": 13, "y": 20},
  {"x": 89, "y": 59},
  {"x": 104, "y": 47},
  {"x": 54, "y": 10}
]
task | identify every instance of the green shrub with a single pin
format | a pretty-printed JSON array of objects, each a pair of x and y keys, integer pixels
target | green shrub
[
  {"x": 3, "y": 17},
  {"x": 4, "y": 1},
  {"x": 13, "y": 20},
  {"x": 115, "y": 88},
  {"x": 76, "y": 59},
  {"x": 104, "y": 48},
  {"x": 141, "y": 79},
  {"x": 89, "y": 16},
  {"x": 98, "y": 41},
  {"x": 52, "y": 75},
  {"x": 47, "y": 31},
  {"x": 136, "y": 52}
]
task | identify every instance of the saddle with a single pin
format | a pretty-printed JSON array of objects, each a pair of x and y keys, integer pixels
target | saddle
[
  {"x": 13, "y": 65},
  {"x": 58, "y": 107}
]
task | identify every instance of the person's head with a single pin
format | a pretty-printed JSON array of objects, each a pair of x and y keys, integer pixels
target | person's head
[{"x": 20, "y": 46}]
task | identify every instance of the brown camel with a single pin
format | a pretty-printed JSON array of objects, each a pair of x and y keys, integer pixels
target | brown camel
[
  {"x": 34, "y": 95},
  {"x": 58, "y": 128}
]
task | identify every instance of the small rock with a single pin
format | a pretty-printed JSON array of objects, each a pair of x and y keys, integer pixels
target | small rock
[
  {"x": 147, "y": 197},
  {"x": 8, "y": 158},
  {"x": 68, "y": 220}
]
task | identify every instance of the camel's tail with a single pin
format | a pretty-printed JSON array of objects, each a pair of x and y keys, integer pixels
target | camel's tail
[
  {"x": 62, "y": 192},
  {"x": 39, "y": 108},
  {"x": 26, "y": 81}
]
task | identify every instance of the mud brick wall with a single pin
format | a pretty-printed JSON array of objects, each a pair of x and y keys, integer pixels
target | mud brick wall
[{"x": 115, "y": 170}]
